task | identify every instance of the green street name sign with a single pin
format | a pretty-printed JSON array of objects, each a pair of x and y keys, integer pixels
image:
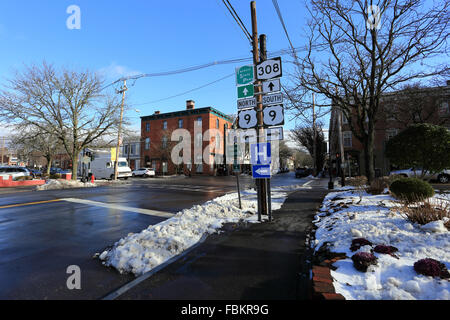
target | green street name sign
[
  {"x": 244, "y": 75},
  {"x": 245, "y": 91}
]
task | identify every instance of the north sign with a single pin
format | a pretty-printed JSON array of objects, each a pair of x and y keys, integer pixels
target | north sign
[{"x": 246, "y": 103}]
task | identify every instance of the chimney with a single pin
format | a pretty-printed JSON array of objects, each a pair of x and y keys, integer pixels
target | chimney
[
  {"x": 190, "y": 104},
  {"x": 157, "y": 112}
]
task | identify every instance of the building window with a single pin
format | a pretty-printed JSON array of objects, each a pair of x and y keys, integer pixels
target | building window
[
  {"x": 218, "y": 141},
  {"x": 199, "y": 121},
  {"x": 347, "y": 139},
  {"x": 199, "y": 140},
  {"x": 180, "y": 123},
  {"x": 147, "y": 127},
  {"x": 164, "y": 142},
  {"x": 217, "y": 123},
  {"x": 165, "y": 125},
  {"x": 126, "y": 152},
  {"x": 443, "y": 108},
  {"x": 133, "y": 149},
  {"x": 147, "y": 143},
  {"x": 391, "y": 112},
  {"x": 199, "y": 167},
  {"x": 391, "y": 133}
]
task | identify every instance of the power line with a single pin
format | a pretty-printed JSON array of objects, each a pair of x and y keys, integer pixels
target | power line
[
  {"x": 186, "y": 92},
  {"x": 237, "y": 19},
  {"x": 277, "y": 8}
]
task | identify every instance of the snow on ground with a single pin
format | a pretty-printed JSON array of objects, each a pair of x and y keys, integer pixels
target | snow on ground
[
  {"x": 141, "y": 252},
  {"x": 374, "y": 220},
  {"x": 64, "y": 184}
]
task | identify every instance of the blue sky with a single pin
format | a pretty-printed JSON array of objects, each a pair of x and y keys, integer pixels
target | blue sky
[{"x": 136, "y": 36}]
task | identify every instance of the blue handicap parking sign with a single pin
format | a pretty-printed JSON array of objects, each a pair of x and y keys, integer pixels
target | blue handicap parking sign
[{"x": 260, "y": 153}]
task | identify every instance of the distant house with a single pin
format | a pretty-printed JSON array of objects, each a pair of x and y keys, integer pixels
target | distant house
[
  {"x": 156, "y": 131},
  {"x": 397, "y": 110}
]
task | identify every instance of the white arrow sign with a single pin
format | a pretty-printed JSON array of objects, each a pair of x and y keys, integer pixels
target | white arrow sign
[
  {"x": 271, "y": 86},
  {"x": 263, "y": 171}
]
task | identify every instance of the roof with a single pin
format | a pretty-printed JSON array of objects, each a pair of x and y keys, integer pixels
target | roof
[{"x": 187, "y": 112}]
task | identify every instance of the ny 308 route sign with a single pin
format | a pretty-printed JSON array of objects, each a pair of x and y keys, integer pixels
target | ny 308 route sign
[
  {"x": 273, "y": 115},
  {"x": 269, "y": 69}
]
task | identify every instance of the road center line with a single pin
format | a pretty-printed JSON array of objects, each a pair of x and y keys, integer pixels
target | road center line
[
  {"x": 162, "y": 214},
  {"x": 29, "y": 204}
]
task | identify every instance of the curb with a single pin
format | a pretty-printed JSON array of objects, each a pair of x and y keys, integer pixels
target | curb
[{"x": 322, "y": 282}]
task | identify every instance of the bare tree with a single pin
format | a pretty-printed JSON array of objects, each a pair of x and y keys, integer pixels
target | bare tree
[
  {"x": 355, "y": 55},
  {"x": 29, "y": 143},
  {"x": 304, "y": 136},
  {"x": 69, "y": 105}
]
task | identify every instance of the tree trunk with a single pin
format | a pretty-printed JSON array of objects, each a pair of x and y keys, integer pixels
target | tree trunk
[
  {"x": 75, "y": 166},
  {"x": 368, "y": 157},
  {"x": 49, "y": 164}
]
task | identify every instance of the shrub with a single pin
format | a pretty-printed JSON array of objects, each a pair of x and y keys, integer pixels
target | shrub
[
  {"x": 393, "y": 177},
  {"x": 358, "y": 243},
  {"x": 24, "y": 178},
  {"x": 432, "y": 268},
  {"x": 427, "y": 211},
  {"x": 390, "y": 250},
  {"x": 360, "y": 183},
  {"x": 55, "y": 176},
  {"x": 411, "y": 189},
  {"x": 362, "y": 260},
  {"x": 378, "y": 185}
]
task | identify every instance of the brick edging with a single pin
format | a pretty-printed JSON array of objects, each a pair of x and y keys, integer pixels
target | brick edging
[{"x": 322, "y": 282}]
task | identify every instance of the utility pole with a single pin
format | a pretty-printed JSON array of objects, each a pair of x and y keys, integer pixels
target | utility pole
[
  {"x": 122, "y": 91},
  {"x": 341, "y": 148},
  {"x": 314, "y": 136},
  {"x": 3, "y": 148},
  {"x": 260, "y": 183}
]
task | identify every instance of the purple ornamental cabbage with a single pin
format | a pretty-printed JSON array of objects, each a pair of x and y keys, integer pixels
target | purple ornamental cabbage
[
  {"x": 358, "y": 243},
  {"x": 362, "y": 260},
  {"x": 432, "y": 268}
]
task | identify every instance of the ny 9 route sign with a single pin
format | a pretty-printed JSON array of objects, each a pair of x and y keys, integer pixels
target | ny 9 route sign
[
  {"x": 269, "y": 69},
  {"x": 272, "y": 115}
]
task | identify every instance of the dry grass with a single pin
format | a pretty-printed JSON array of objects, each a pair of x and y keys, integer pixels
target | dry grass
[
  {"x": 426, "y": 211},
  {"x": 378, "y": 185}
]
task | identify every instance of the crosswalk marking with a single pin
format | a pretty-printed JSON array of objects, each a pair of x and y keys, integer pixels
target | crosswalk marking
[{"x": 149, "y": 212}]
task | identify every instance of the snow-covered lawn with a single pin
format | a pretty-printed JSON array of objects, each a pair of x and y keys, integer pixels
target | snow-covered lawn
[
  {"x": 342, "y": 219},
  {"x": 141, "y": 252}
]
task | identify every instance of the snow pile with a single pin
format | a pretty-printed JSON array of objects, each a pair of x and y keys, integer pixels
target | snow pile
[
  {"x": 64, "y": 184},
  {"x": 141, "y": 252},
  {"x": 342, "y": 219}
]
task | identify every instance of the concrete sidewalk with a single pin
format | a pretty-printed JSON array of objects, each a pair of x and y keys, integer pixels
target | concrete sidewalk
[{"x": 253, "y": 261}]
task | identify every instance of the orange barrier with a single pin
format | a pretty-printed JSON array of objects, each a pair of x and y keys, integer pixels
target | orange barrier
[{"x": 9, "y": 183}]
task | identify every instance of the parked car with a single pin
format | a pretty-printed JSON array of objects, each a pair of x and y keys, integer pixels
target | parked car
[
  {"x": 36, "y": 173},
  {"x": 15, "y": 172},
  {"x": 442, "y": 177},
  {"x": 59, "y": 170},
  {"x": 144, "y": 172},
  {"x": 303, "y": 172}
]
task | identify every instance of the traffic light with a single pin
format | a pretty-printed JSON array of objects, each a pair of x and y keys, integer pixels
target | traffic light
[{"x": 338, "y": 155}]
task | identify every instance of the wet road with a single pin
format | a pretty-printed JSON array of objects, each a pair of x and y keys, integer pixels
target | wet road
[{"x": 41, "y": 233}]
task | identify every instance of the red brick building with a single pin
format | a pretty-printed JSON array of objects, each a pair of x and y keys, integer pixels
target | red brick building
[
  {"x": 202, "y": 124},
  {"x": 397, "y": 111}
]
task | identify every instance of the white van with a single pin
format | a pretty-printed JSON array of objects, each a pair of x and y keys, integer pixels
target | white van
[{"x": 101, "y": 166}]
